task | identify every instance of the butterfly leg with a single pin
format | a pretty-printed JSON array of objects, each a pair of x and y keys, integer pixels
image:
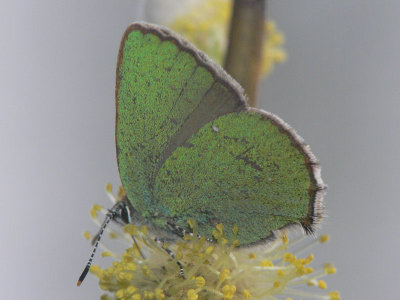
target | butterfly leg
[
  {"x": 182, "y": 232},
  {"x": 172, "y": 254}
]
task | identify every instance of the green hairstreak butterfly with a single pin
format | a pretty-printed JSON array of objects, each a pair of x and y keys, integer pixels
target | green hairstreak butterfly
[{"x": 188, "y": 147}]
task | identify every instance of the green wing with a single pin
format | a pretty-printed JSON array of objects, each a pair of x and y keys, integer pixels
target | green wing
[{"x": 189, "y": 147}]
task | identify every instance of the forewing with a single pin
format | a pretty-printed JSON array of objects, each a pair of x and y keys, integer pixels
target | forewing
[{"x": 166, "y": 91}]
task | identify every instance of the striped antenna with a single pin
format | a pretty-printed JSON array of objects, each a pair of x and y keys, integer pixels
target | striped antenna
[{"x": 109, "y": 216}]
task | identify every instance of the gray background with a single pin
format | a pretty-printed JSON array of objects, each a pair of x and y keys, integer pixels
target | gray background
[{"x": 340, "y": 90}]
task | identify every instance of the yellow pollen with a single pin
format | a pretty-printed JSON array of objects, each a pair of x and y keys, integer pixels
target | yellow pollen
[
  {"x": 125, "y": 276},
  {"x": 191, "y": 223},
  {"x": 109, "y": 187},
  {"x": 266, "y": 263},
  {"x": 301, "y": 270},
  {"x": 216, "y": 234},
  {"x": 329, "y": 269},
  {"x": 301, "y": 261},
  {"x": 131, "y": 289},
  {"x": 280, "y": 273},
  {"x": 324, "y": 238},
  {"x": 130, "y": 266},
  {"x": 148, "y": 295},
  {"x": 289, "y": 257},
  {"x": 209, "y": 250},
  {"x": 228, "y": 291},
  {"x": 146, "y": 270},
  {"x": 309, "y": 259},
  {"x": 119, "y": 293},
  {"x": 191, "y": 295},
  {"x": 224, "y": 274},
  {"x": 143, "y": 230},
  {"x": 322, "y": 284},
  {"x": 220, "y": 228},
  {"x": 94, "y": 210},
  {"x": 235, "y": 230},
  {"x": 95, "y": 269},
  {"x": 252, "y": 255},
  {"x": 277, "y": 284},
  {"x": 106, "y": 254},
  {"x": 311, "y": 283},
  {"x": 246, "y": 294},
  {"x": 334, "y": 295},
  {"x": 121, "y": 192},
  {"x": 285, "y": 239},
  {"x": 200, "y": 281},
  {"x": 308, "y": 270},
  {"x": 159, "y": 294},
  {"x": 130, "y": 229},
  {"x": 87, "y": 235}
]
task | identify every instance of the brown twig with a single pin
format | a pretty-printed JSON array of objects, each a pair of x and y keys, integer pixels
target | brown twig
[{"x": 244, "y": 54}]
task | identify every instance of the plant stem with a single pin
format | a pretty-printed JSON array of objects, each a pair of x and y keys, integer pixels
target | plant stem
[{"x": 244, "y": 54}]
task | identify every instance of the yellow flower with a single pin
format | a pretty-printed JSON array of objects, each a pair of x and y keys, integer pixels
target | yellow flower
[
  {"x": 192, "y": 295},
  {"x": 200, "y": 281},
  {"x": 229, "y": 291},
  {"x": 206, "y": 23},
  {"x": 214, "y": 271}
]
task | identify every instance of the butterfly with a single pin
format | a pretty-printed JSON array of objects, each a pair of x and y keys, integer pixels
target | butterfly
[{"x": 189, "y": 147}]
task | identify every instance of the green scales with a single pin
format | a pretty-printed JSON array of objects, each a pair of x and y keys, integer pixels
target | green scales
[{"x": 188, "y": 146}]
